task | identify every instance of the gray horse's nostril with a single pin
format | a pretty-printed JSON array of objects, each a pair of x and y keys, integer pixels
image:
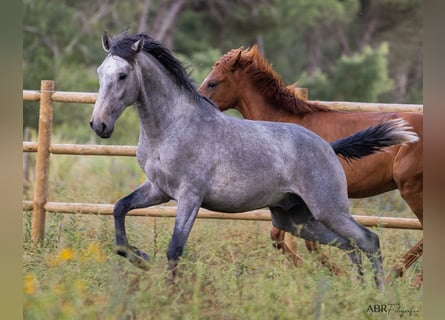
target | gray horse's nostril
[{"x": 104, "y": 126}]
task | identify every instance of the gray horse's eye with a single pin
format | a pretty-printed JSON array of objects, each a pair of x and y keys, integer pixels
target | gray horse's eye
[{"x": 122, "y": 76}]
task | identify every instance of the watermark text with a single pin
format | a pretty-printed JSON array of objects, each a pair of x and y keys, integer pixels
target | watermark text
[{"x": 393, "y": 308}]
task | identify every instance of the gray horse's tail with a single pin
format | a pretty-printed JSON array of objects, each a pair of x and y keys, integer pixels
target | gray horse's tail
[{"x": 374, "y": 139}]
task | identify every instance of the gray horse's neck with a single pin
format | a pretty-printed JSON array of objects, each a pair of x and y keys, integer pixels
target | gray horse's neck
[{"x": 162, "y": 102}]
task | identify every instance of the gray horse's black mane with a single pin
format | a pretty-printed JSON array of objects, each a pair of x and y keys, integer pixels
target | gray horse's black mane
[{"x": 121, "y": 46}]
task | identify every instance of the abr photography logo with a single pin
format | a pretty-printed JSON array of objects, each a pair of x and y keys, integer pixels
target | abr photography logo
[{"x": 395, "y": 309}]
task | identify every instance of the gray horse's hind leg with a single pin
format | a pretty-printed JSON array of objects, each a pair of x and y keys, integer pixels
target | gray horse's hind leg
[
  {"x": 310, "y": 229},
  {"x": 366, "y": 240},
  {"x": 144, "y": 196},
  {"x": 299, "y": 222},
  {"x": 323, "y": 233},
  {"x": 302, "y": 217}
]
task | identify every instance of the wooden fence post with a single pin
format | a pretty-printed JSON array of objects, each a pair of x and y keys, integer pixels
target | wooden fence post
[
  {"x": 42, "y": 160},
  {"x": 26, "y": 163}
]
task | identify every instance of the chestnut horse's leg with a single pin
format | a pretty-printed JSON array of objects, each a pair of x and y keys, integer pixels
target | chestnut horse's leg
[
  {"x": 314, "y": 247},
  {"x": 419, "y": 281},
  {"x": 278, "y": 237},
  {"x": 407, "y": 260},
  {"x": 409, "y": 180}
]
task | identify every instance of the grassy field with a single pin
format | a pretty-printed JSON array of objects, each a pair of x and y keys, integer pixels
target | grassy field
[{"x": 229, "y": 269}]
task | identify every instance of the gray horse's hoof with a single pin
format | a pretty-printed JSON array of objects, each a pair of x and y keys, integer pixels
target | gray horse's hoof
[{"x": 135, "y": 256}]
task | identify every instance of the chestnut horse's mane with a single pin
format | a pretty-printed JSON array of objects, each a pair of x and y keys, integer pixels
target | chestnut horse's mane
[{"x": 267, "y": 81}]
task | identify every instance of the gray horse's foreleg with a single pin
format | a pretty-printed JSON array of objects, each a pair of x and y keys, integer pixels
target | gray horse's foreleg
[
  {"x": 144, "y": 196},
  {"x": 185, "y": 217}
]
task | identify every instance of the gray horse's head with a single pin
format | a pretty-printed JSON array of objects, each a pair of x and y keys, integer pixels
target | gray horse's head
[{"x": 119, "y": 85}]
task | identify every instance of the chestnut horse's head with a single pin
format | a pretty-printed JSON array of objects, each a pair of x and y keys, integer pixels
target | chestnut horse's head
[
  {"x": 222, "y": 84},
  {"x": 238, "y": 74},
  {"x": 243, "y": 75}
]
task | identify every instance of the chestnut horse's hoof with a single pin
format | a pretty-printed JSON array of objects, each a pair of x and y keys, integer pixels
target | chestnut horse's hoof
[{"x": 135, "y": 256}]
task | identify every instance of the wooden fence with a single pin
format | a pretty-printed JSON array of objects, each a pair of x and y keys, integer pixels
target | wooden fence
[{"x": 43, "y": 147}]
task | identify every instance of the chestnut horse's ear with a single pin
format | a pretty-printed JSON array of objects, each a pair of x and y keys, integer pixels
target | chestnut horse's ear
[
  {"x": 255, "y": 44},
  {"x": 106, "y": 42},
  {"x": 236, "y": 62}
]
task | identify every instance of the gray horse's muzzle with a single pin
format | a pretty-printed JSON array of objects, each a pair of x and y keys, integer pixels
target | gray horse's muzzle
[{"x": 101, "y": 129}]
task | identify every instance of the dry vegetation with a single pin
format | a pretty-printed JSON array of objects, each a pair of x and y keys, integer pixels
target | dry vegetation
[{"x": 229, "y": 269}]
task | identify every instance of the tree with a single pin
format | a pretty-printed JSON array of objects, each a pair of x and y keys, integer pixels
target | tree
[
  {"x": 318, "y": 42},
  {"x": 358, "y": 77},
  {"x": 399, "y": 23}
]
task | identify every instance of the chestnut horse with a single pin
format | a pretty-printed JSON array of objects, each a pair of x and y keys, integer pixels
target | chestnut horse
[{"x": 244, "y": 80}]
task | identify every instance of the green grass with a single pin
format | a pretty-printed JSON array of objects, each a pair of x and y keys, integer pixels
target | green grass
[{"x": 229, "y": 269}]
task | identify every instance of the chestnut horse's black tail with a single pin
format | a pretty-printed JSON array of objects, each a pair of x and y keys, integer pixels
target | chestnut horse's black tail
[{"x": 374, "y": 139}]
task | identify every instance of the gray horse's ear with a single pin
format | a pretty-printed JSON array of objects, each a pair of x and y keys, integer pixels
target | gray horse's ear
[
  {"x": 106, "y": 42},
  {"x": 137, "y": 46}
]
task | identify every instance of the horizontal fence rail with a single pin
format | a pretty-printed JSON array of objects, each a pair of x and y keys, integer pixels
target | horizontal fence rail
[
  {"x": 62, "y": 96},
  {"x": 39, "y": 205},
  {"x": 170, "y": 211},
  {"x": 372, "y": 107},
  {"x": 84, "y": 149},
  {"x": 90, "y": 98}
]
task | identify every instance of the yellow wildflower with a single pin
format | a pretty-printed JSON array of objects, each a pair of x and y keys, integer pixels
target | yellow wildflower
[
  {"x": 80, "y": 285},
  {"x": 66, "y": 254},
  {"x": 53, "y": 262},
  {"x": 59, "y": 288},
  {"x": 67, "y": 308},
  {"x": 30, "y": 284},
  {"x": 63, "y": 255},
  {"x": 93, "y": 251}
]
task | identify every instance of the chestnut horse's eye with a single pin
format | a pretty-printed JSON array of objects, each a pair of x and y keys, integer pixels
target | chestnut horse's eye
[
  {"x": 122, "y": 76},
  {"x": 212, "y": 84}
]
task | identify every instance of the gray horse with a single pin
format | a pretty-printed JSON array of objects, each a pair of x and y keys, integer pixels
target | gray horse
[{"x": 196, "y": 155}]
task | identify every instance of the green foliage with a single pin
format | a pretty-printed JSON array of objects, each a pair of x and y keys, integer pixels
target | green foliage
[
  {"x": 318, "y": 84},
  {"x": 92, "y": 179},
  {"x": 62, "y": 42},
  {"x": 200, "y": 62},
  {"x": 360, "y": 77},
  {"x": 311, "y": 13}
]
